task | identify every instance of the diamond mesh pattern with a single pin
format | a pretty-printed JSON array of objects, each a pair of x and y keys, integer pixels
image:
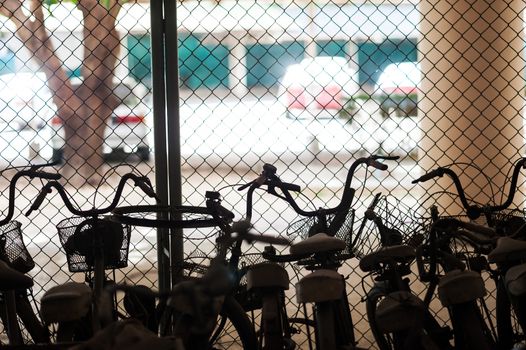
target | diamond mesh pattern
[{"x": 243, "y": 103}]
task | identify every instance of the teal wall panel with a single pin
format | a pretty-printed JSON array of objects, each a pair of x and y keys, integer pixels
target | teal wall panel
[
  {"x": 266, "y": 63},
  {"x": 373, "y": 57}
]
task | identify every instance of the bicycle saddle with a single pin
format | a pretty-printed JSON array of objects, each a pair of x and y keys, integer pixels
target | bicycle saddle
[
  {"x": 318, "y": 243},
  {"x": 458, "y": 287},
  {"x": 507, "y": 249},
  {"x": 11, "y": 279},
  {"x": 66, "y": 302},
  {"x": 396, "y": 253},
  {"x": 320, "y": 285},
  {"x": 267, "y": 275},
  {"x": 400, "y": 310}
]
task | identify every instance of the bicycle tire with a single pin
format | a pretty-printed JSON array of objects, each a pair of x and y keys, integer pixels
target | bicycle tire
[
  {"x": 38, "y": 332},
  {"x": 375, "y": 295},
  {"x": 159, "y": 216},
  {"x": 508, "y": 331},
  {"x": 469, "y": 328},
  {"x": 232, "y": 319},
  {"x": 235, "y": 314},
  {"x": 394, "y": 341}
]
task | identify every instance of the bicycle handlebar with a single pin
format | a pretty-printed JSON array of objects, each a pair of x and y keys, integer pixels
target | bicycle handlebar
[
  {"x": 474, "y": 211},
  {"x": 269, "y": 178},
  {"x": 32, "y": 173},
  {"x": 140, "y": 181},
  {"x": 478, "y": 235}
]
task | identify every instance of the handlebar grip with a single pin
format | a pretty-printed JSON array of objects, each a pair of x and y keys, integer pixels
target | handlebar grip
[
  {"x": 38, "y": 201},
  {"x": 290, "y": 187},
  {"x": 438, "y": 172},
  {"x": 376, "y": 164},
  {"x": 146, "y": 187}
]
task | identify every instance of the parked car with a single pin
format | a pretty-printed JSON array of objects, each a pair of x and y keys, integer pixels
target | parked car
[
  {"x": 126, "y": 131},
  {"x": 397, "y": 89},
  {"x": 318, "y": 87},
  {"x": 25, "y": 101},
  {"x": 25, "y": 107}
]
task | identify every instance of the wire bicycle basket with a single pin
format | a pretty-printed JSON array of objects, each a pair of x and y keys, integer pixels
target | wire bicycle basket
[
  {"x": 84, "y": 238},
  {"x": 307, "y": 226},
  {"x": 400, "y": 219},
  {"x": 13, "y": 251}
]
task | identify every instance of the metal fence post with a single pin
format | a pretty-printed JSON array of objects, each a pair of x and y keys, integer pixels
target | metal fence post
[{"x": 159, "y": 112}]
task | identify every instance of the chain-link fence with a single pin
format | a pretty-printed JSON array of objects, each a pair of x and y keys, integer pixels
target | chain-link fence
[{"x": 308, "y": 86}]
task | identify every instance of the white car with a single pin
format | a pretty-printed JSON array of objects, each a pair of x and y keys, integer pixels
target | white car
[
  {"x": 25, "y": 101},
  {"x": 127, "y": 130},
  {"x": 319, "y": 87},
  {"x": 397, "y": 89},
  {"x": 25, "y": 108}
]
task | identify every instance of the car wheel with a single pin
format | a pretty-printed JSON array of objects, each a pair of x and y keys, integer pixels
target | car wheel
[
  {"x": 144, "y": 153},
  {"x": 57, "y": 156}
]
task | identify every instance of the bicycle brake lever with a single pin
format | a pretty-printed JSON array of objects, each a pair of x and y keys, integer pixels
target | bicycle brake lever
[
  {"x": 260, "y": 180},
  {"x": 377, "y": 156},
  {"x": 377, "y": 165},
  {"x": 438, "y": 172},
  {"x": 146, "y": 187},
  {"x": 245, "y": 186}
]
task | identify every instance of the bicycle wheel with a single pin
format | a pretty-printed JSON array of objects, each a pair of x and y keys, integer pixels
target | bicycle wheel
[
  {"x": 39, "y": 333},
  {"x": 469, "y": 327},
  {"x": 170, "y": 216},
  {"x": 508, "y": 329},
  {"x": 233, "y": 329},
  {"x": 410, "y": 332},
  {"x": 374, "y": 297}
]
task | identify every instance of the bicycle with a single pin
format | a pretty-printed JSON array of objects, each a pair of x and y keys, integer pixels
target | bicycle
[
  {"x": 397, "y": 317},
  {"x": 195, "y": 297},
  {"x": 327, "y": 245},
  {"x": 500, "y": 222},
  {"x": 93, "y": 243},
  {"x": 15, "y": 262},
  {"x": 230, "y": 310}
]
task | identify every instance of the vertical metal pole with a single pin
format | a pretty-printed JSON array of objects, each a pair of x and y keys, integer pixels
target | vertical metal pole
[
  {"x": 159, "y": 129},
  {"x": 173, "y": 128}
]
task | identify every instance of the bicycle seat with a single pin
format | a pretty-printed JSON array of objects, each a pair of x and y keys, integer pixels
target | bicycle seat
[
  {"x": 320, "y": 285},
  {"x": 12, "y": 279},
  {"x": 400, "y": 310},
  {"x": 318, "y": 243},
  {"x": 267, "y": 275},
  {"x": 515, "y": 280},
  {"x": 66, "y": 302},
  {"x": 458, "y": 287},
  {"x": 396, "y": 253},
  {"x": 507, "y": 249}
]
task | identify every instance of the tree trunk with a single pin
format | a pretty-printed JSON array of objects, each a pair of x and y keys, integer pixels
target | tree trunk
[{"x": 85, "y": 109}]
